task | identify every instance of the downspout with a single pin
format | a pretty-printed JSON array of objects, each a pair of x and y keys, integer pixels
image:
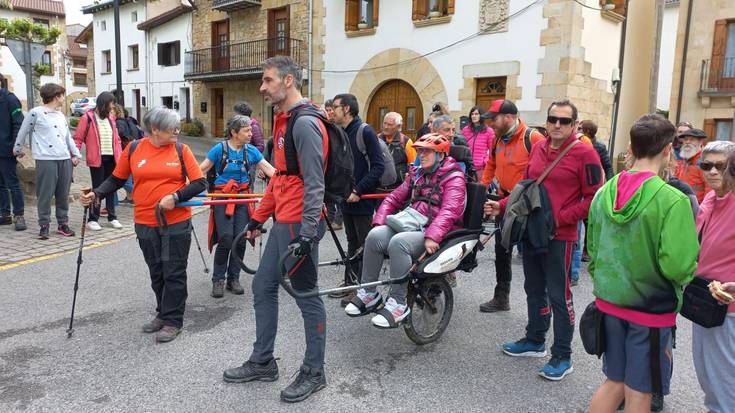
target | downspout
[
  {"x": 616, "y": 102},
  {"x": 310, "y": 40},
  {"x": 682, "y": 73}
]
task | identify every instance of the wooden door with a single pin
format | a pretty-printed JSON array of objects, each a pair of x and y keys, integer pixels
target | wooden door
[
  {"x": 396, "y": 96},
  {"x": 220, "y": 46},
  {"x": 489, "y": 89},
  {"x": 218, "y": 101},
  {"x": 279, "y": 31}
]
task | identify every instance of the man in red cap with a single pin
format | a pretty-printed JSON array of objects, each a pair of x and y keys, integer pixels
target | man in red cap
[{"x": 506, "y": 164}]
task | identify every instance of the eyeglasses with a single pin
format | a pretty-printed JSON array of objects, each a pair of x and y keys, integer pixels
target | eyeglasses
[
  {"x": 563, "y": 121},
  {"x": 707, "y": 166}
]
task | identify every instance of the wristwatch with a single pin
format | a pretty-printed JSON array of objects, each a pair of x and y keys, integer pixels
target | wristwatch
[{"x": 176, "y": 197}]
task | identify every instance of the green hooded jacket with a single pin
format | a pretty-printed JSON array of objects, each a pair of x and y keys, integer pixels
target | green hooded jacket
[{"x": 643, "y": 254}]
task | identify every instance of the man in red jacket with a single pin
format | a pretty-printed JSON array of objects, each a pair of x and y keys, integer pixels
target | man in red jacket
[{"x": 570, "y": 186}]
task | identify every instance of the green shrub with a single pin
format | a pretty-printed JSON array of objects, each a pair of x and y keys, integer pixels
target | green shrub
[
  {"x": 73, "y": 122},
  {"x": 193, "y": 128}
]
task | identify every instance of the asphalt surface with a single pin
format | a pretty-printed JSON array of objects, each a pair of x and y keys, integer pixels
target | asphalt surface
[{"x": 109, "y": 365}]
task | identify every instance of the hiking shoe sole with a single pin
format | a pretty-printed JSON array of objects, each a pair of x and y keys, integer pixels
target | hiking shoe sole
[
  {"x": 534, "y": 354},
  {"x": 261, "y": 377},
  {"x": 304, "y": 396},
  {"x": 556, "y": 378}
]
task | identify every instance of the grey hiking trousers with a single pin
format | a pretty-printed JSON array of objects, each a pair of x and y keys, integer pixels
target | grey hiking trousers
[{"x": 53, "y": 179}]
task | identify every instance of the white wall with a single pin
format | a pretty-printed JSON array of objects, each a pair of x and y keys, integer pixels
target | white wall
[
  {"x": 129, "y": 35},
  {"x": 169, "y": 80},
  {"x": 666, "y": 57},
  {"x": 396, "y": 29},
  {"x": 601, "y": 42}
]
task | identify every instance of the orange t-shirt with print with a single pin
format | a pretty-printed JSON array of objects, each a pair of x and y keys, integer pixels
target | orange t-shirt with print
[{"x": 156, "y": 173}]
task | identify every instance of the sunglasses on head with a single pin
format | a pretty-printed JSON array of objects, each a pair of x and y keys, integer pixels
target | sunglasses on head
[
  {"x": 563, "y": 121},
  {"x": 707, "y": 166}
]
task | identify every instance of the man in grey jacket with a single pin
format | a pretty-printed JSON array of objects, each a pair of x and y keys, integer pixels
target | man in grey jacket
[{"x": 47, "y": 133}]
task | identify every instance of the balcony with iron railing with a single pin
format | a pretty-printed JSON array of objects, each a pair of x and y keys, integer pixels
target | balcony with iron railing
[
  {"x": 238, "y": 60},
  {"x": 233, "y": 5},
  {"x": 717, "y": 77}
]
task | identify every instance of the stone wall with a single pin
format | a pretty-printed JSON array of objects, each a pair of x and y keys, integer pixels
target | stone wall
[
  {"x": 564, "y": 71},
  {"x": 91, "y": 76}
]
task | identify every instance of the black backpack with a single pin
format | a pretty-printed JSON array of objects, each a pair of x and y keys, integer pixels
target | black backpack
[
  {"x": 213, "y": 172},
  {"x": 400, "y": 159},
  {"x": 526, "y": 142},
  {"x": 339, "y": 170}
]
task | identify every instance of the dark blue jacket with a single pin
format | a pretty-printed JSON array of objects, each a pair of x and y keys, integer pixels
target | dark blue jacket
[
  {"x": 366, "y": 179},
  {"x": 11, "y": 117}
]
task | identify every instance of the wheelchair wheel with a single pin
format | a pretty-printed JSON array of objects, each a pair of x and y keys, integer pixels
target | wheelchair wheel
[{"x": 431, "y": 302}]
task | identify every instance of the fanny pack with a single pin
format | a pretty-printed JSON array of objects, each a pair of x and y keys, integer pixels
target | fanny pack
[
  {"x": 700, "y": 307},
  {"x": 407, "y": 220},
  {"x": 592, "y": 330}
]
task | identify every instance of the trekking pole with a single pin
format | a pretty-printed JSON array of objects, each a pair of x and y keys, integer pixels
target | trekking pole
[
  {"x": 201, "y": 254},
  {"x": 70, "y": 330}
]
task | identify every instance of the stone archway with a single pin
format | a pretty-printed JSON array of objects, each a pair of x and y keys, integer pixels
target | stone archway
[{"x": 418, "y": 72}]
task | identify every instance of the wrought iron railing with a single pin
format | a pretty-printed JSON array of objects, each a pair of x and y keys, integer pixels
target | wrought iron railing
[
  {"x": 718, "y": 75},
  {"x": 239, "y": 58}
]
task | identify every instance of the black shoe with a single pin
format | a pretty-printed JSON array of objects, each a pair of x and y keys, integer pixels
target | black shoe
[
  {"x": 218, "y": 289},
  {"x": 20, "y": 223},
  {"x": 495, "y": 305},
  {"x": 43, "y": 233},
  {"x": 250, "y": 371},
  {"x": 307, "y": 382},
  {"x": 657, "y": 402},
  {"x": 65, "y": 231},
  {"x": 234, "y": 287},
  {"x": 6, "y": 220}
]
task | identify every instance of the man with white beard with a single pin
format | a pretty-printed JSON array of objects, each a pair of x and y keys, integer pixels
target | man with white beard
[{"x": 687, "y": 168}]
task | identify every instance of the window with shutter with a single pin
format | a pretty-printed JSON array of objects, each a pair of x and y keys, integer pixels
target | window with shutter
[
  {"x": 361, "y": 14},
  {"x": 722, "y": 64},
  {"x": 424, "y": 9},
  {"x": 619, "y": 6}
]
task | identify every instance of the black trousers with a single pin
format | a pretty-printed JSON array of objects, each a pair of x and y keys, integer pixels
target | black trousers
[
  {"x": 356, "y": 228},
  {"x": 503, "y": 272},
  {"x": 166, "y": 252},
  {"x": 99, "y": 175}
]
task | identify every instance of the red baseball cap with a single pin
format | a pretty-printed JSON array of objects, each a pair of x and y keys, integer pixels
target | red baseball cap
[{"x": 500, "y": 106}]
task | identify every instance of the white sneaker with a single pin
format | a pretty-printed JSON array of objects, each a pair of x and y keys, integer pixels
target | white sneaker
[
  {"x": 370, "y": 302},
  {"x": 398, "y": 311},
  {"x": 116, "y": 224},
  {"x": 94, "y": 226}
]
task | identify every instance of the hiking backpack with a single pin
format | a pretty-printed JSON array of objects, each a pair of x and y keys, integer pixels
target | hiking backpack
[
  {"x": 339, "y": 169},
  {"x": 526, "y": 142},
  {"x": 213, "y": 172},
  {"x": 389, "y": 176},
  {"x": 400, "y": 160}
]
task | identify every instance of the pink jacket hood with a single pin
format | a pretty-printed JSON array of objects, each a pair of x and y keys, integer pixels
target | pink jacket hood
[{"x": 451, "y": 196}]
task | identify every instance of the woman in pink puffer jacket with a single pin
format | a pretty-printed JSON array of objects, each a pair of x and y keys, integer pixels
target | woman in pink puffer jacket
[
  {"x": 438, "y": 194},
  {"x": 479, "y": 138}
]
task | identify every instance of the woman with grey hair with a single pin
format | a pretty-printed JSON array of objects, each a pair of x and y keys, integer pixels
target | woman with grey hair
[
  {"x": 230, "y": 168},
  {"x": 160, "y": 167},
  {"x": 713, "y": 349}
]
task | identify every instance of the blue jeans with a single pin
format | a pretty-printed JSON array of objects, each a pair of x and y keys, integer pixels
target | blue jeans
[
  {"x": 129, "y": 184},
  {"x": 577, "y": 254},
  {"x": 10, "y": 187}
]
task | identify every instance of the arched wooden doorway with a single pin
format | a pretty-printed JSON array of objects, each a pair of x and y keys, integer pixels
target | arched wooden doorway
[{"x": 396, "y": 96}]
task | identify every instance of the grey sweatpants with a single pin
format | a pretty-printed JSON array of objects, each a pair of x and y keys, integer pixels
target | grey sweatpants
[
  {"x": 53, "y": 179},
  {"x": 713, "y": 350},
  {"x": 402, "y": 248},
  {"x": 265, "y": 298}
]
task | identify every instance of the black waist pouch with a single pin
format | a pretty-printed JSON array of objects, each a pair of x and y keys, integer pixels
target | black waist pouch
[
  {"x": 700, "y": 307},
  {"x": 592, "y": 330}
]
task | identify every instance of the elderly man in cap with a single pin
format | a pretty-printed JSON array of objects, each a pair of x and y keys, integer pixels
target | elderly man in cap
[
  {"x": 687, "y": 168},
  {"x": 506, "y": 164}
]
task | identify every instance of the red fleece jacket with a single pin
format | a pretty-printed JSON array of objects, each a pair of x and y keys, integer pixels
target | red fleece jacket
[{"x": 571, "y": 185}]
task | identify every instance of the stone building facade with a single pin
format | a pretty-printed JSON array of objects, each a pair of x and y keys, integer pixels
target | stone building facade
[
  {"x": 230, "y": 43},
  {"x": 708, "y": 98}
]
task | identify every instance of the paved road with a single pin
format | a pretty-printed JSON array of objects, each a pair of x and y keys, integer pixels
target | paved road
[{"x": 109, "y": 365}]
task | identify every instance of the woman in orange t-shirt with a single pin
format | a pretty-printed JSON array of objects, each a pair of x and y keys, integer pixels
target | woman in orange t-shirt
[{"x": 160, "y": 168}]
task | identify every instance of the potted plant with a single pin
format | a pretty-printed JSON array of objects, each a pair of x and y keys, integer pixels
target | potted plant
[
  {"x": 362, "y": 24},
  {"x": 435, "y": 11}
]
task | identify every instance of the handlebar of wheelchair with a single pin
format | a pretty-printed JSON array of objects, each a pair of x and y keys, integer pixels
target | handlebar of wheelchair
[
  {"x": 285, "y": 280},
  {"x": 235, "y": 250},
  {"x": 381, "y": 195}
]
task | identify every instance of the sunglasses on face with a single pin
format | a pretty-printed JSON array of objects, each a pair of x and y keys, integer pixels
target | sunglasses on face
[
  {"x": 707, "y": 166},
  {"x": 562, "y": 121}
]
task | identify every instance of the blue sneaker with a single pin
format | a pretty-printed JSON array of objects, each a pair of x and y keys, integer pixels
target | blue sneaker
[
  {"x": 556, "y": 368},
  {"x": 524, "y": 348}
]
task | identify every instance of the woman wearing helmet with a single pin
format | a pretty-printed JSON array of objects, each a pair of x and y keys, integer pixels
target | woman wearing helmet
[{"x": 435, "y": 189}]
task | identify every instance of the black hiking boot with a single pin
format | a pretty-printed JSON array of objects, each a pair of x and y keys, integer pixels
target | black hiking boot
[
  {"x": 43, "y": 232},
  {"x": 495, "y": 305},
  {"x": 218, "y": 288},
  {"x": 6, "y": 220},
  {"x": 234, "y": 287},
  {"x": 308, "y": 381},
  {"x": 250, "y": 371},
  {"x": 20, "y": 223}
]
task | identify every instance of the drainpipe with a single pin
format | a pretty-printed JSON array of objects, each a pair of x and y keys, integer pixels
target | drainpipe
[
  {"x": 684, "y": 60},
  {"x": 616, "y": 102},
  {"x": 310, "y": 40}
]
